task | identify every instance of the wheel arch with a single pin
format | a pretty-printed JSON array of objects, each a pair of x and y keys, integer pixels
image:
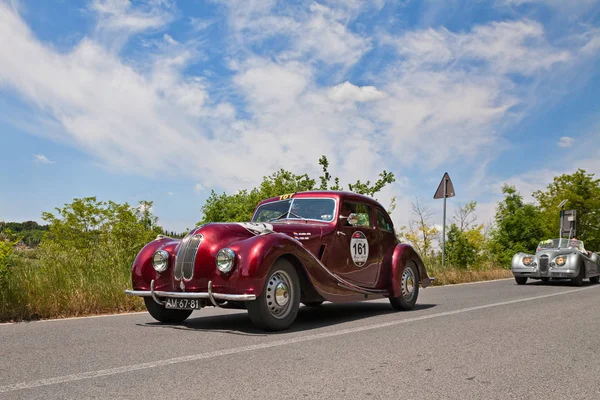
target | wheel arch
[{"x": 307, "y": 289}]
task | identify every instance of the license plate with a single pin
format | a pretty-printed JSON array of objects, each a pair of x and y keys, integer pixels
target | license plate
[{"x": 183, "y": 304}]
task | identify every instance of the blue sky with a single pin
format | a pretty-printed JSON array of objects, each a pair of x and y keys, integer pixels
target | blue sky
[{"x": 165, "y": 100}]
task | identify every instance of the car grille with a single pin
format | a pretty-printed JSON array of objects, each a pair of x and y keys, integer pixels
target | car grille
[
  {"x": 186, "y": 255},
  {"x": 544, "y": 264}
]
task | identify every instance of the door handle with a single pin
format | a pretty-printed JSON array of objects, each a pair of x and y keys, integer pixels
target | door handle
[{"x": 341, "y": 233}]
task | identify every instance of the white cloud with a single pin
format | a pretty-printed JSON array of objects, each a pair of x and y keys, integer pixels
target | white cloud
[
  {"x": 505, "y": 47},
  {"x": 566, "y": 141},
  {"x": 348, "y": 92},
  {"x": 42, "y": 159},
  {"x": 170, "y": 193},
  {"x": 441, "y": 99},
  {"x": 119, "y": 19}
]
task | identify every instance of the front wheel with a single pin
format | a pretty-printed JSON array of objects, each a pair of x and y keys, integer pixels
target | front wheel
[
  {"x": 161, "y": 314},
  {"x": 578, "y": 281},
  {"x": 409, "y": 284},
  {"x": 521, "y": 280},
  {"x": 277, "y": 306}
]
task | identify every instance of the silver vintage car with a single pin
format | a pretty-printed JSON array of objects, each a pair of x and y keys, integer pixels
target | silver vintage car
[{"x": 557, "y": 259}]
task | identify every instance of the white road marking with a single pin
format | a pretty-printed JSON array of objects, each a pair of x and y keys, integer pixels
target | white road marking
[
  {"x": 71, "y": 318},
  {"x": 260, "y": 346}
]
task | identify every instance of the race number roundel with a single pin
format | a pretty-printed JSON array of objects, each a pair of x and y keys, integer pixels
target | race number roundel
[{"x": 359, "y": 248}]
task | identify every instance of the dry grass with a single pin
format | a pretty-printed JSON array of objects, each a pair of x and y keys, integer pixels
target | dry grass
[
  {"x": 36, "y": 290},
  {"x": 451, "y": 276}
]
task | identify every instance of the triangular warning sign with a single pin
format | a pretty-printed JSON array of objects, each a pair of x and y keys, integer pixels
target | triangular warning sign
[{"x": 439, "y": 193}]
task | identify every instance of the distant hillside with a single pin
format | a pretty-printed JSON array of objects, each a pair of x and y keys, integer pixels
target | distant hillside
[{"x": 30, "y": 232}]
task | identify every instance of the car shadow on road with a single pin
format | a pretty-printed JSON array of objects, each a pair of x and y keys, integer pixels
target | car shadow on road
[
  {"x": 559, "y": 283},
  {"x": 309, "y": 318}
]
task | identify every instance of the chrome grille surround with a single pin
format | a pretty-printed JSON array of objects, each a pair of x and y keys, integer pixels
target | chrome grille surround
[
  {"x": 544, "y": 263},
  {"x": 186, "y": 257}
]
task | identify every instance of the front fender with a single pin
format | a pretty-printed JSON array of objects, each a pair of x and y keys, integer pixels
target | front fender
[
  {"x": 142, "y": 272},
  {"x": 403, "y": 254}
]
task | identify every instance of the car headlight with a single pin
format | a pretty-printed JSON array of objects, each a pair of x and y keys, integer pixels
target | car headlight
[
  {"x": 527, "y": 260},
  {"x": 225, "y": 260},
  {"x": 560, "y": 260},
  {"x": 160, "y": 261}
]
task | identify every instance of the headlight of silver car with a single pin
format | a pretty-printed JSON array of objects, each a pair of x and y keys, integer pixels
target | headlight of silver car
[
  {"x": 527, "y": 260},
  {"x": 225, "y": 260},
  {"x": 560, "y": 261},
  {"x": 160, "y": 261}
]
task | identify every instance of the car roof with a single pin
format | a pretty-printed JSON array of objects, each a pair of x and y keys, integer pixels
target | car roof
[{"x": 338, "y": 195}]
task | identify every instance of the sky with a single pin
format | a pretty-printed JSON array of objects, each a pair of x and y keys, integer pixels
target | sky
[{"x": 166, "y": 100}]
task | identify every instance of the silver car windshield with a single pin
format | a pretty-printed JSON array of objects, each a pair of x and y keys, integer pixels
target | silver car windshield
[
  {"x": 564, "y": 243},
  {"x": 318, "y": 209}
]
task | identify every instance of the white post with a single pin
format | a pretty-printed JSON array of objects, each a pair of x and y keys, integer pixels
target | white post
[{"x": 444, "y": 225}]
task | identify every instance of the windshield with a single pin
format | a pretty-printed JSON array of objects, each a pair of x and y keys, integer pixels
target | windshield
[
  {"x": 321, "y": 209},
  {"x": 564, "y": 243}
]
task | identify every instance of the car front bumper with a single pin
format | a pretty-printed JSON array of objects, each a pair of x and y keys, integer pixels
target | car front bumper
[
  {"x": 561, "y": 273},
  {"x": 209, "y": 295}
]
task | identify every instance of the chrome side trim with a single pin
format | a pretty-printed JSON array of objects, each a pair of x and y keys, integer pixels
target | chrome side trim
[
  {"x": 340, "y": 281},
  {"x": 190, "y": 295}
]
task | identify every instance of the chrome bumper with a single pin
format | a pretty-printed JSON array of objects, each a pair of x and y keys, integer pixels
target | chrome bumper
[{"x": 213, "y": 297}]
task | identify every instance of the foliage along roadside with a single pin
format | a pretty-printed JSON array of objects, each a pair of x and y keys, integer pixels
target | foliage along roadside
[{"x": 83, "y": 263}]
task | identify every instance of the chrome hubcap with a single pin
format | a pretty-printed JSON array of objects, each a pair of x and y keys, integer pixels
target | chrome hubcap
[
  {"x": 279, "y": 293},
  {"x": 408, "y": 283}
]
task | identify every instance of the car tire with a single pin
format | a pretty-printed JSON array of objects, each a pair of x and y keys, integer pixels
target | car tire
[
  {"x": 595, "y": 279},
  {"x": 409, "y": 284},
  {"x": 277, "y": 306},
  {"x": 161, "y": 314},
  {"x": 521, "y": 280},
  {"x": 578, "y": 281},
  {"x": 545, "y": 279},
  {"x": 316, "y": 303}
]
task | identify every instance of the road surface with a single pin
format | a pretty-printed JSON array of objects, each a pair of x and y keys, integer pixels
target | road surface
[{"x": 493, "y": 340}]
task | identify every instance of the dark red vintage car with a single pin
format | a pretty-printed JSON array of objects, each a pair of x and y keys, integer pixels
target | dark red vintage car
[{"x": 304, "y": 248}]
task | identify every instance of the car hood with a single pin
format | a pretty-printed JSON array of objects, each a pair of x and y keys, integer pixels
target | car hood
[
  {"x": 556, "y": 252},
  {"x": 234, "y": 231}
]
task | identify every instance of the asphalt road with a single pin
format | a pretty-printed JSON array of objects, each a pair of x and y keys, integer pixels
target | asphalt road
[{"x": 493, "y": 340}]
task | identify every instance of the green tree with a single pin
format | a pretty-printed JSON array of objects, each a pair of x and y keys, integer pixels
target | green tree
[
  {"x": 419, "y": 231},
  {"x": 518, "y": 226},
  {"x": 239, "y": 206},
  {"x": 466, "y": 240},
  {"x": 582, "y": 193}
]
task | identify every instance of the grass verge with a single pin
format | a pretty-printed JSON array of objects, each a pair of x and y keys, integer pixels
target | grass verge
[
  {"x": 452, "y": 276},
  {"x": 35, "y": 290}
]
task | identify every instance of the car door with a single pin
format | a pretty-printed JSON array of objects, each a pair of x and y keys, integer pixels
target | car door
[
  {"x": 355, "y": 254},
  {"x": 387, "y": 239}
]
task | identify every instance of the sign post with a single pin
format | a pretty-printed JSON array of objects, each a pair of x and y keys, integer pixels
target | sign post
[{"x": 444, "y": 190}]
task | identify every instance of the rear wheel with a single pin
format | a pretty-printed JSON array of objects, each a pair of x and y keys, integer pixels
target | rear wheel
[
  {"x": 277, "y": 306},
  {"x": 161, "y": 314},
  {"x": 521, "y": 280},
  {"x": 409, "y": 283}
]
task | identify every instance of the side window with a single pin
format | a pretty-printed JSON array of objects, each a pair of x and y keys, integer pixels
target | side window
[
  {"x": 383, "y": 222},
  {"x": 362, "y": 211}
]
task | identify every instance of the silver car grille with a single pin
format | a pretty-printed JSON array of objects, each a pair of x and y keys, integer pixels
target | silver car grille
[
  {"x": 544, "y": 264},
  {"x": 186, "y": 256}
]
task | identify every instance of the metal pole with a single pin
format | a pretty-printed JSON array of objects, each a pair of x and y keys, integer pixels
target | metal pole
[{"x": 444, "y": 225}]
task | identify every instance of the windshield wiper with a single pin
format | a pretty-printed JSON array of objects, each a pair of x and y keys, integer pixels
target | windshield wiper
[{"x": 286, "y": 213}]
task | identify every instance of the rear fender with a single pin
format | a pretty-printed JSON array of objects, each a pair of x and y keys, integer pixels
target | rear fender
[{"x": 403, "y": 254}]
